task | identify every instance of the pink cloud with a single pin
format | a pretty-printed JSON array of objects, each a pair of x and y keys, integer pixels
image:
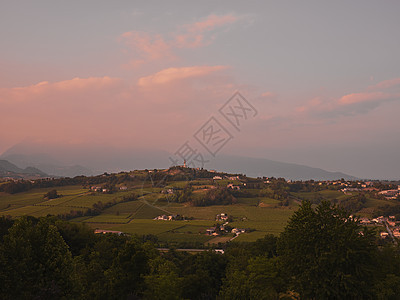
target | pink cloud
[
  {"x": 146, "y": 47},
  {"x": 312, "y": 104},
  {"x": 386, "y": 84},
  {"x": 69, "y": 110},
  {"x": 174, "y": 74},
  {"x": 112, "y": 110},
  {"x": 194, "y": 35},
  {"x": 268, "y": 95},
  {"x": 211, "y": 22},
  {"x": 364, "y": 97},
  {"x": 353, "y": 103},
  {"x": 75, "y": 85},
  {"x": 190, "y": 40}
]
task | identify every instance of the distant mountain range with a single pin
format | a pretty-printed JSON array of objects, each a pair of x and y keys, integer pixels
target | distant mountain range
[
  {"x": 69, "y": 162},
  {"x": 259, "y": 167},
  {"x": 47, "y": 165},
  {"x": 8, "y": 169}
]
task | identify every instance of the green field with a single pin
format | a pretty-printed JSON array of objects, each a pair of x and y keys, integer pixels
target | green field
[
  {"x": 28, "y": 202},
  {"x": 192, "y": 229},
  {"x": 166, "y": 231},
  {"x": 124, "y": 208},
  {"x": 146, "y": 226},
  {"x": 238, "y": 211},
  {"x": 220, "y": 239},
  {"x": 256, "y": 201},
  {"x": 34, "y": 197},
  {"x": 136, "y": 217},
  {"x": 325, "y": 194},
  {"x": 113, "y": 219},
  {"x": 33, "y": 202},
  {"x": 262, "y": 215},
  {"x": 250, "y": 237}
]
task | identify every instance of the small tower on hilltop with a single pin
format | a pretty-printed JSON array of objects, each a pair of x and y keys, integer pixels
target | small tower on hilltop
[{"x": 184, "y": 163}]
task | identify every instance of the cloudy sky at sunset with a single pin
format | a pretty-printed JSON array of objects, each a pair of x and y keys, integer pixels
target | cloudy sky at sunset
[{"x": 323, "y": 76}]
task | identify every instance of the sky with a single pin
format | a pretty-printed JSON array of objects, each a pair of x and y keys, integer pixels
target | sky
[{"x": 323, "y": 77}]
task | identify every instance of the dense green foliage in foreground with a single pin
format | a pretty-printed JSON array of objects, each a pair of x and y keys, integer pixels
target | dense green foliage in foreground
[{"x": 322, "y": 254}]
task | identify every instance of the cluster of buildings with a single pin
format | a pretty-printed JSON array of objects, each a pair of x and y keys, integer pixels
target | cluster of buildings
[
  {"x": 168, "y": 191},
  {"x": 367, "y": 187},
  {"x": 101, "y": 231},
  {"x": 390, "y": 194},
  {"x": 219, "y": 229},
  {"x": 164, "y": 218},
  {"x": 170, "y": 218},
  {"x": 392, "y": 230},
  {"x": 226, "y": 177},
  {"x": 233, "y": 186},
  {"x": 222, "y": 217},
  {"x": 99, "y": 189}
]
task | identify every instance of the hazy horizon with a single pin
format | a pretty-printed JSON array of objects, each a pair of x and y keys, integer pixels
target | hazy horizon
[{"x": 322, "y": 79}]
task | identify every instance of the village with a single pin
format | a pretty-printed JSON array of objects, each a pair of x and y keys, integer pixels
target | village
[
  {"x": 389, "y": 227},
  {"x": 222, "y": 228}
]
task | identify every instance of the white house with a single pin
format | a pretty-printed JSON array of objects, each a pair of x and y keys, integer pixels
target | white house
[{"x": 233, "y": 187}]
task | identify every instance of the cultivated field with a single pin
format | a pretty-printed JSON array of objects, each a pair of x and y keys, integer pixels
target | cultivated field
[
  {"x": 256, "y": 214},
  {"x": 136, "y": 217}
]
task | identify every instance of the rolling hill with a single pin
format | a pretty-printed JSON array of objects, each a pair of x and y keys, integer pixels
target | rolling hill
[{"x": 8, "y": 169}]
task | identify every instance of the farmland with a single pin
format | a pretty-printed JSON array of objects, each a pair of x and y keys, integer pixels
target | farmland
[{"x": 257, "y": 206}]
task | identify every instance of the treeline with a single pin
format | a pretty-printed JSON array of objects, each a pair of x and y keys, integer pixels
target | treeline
[
  {"x": 217, "y": 196},
  {"x": 160, "y": 178},
  {"x": 156, "y": 177},
  {"x": 388, "y": 210},
  {"x": 354, "y": 203},
  {"x": 278, "y": 194},
  {"x": 97, "y": 208},
  {"x": 282, "y": 184},
  {"x": 214, "y": 196},
  {"x": 323, "y": 253},
  {"x": 13, "y": 187},
  {"x": 48, "y": 258},
  {"x": 110, "y": 180}
]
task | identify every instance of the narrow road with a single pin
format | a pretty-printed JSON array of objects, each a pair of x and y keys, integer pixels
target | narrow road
[
  {"x": 390, "y": 232},
  {"x": 295, "y": 199}
]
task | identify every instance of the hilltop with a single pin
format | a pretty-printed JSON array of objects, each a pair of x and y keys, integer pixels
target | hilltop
[
  {"x": 9, "y": 170},
  {"x": 265, "y": 167},
  {"x": 69, "y": 161}
]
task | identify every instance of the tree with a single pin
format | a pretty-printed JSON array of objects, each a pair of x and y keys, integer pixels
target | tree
[
  {"x": 115, "y": 266},
  {"x": 259, "y": 280},
  {"x": 5, "y": 225},
  {"x": 125, "y": 276},
  {"x": 78, "y": 236},
  {"x": 202, "y": 275},
  {"x": 35, "y": 262},
  {"x": 51, "y": 194},
  {"x": 327, "y": 254},
  {"x": 163, "y": 281},
  {"x": 253, "y": 270}
]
